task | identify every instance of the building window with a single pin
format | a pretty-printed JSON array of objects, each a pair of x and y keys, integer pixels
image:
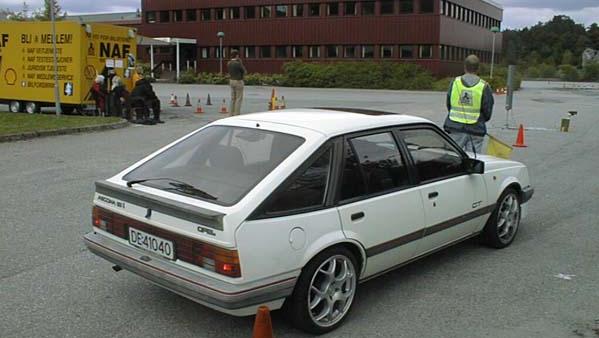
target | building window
[
  {"x": 281, "y": 52},
  {"x": 406, "y": 6},
  {"x": 250, "y": 52},
  {"x": 297, "y": 10},
  {"x": 297, "y": 51},
  {"x": 219, "y": 14},
  {"x": 426, "y": 52},
  {"x": 349, "y": 51},
  {"x": 349, "y": 8},
  {"x": 205, "y": 14},
  {"x": 204, "y": 52},
  {"x": 165, "y": 16},
  {"x": 367, "y": 52},
  {"x": 387, "y": 7},
  {"x": 191, "y": 15},
  {"x": 333, "y": 9},
  {"x": 406, "y": 52},
  {"x": 151, "y": 17},
  {"x": 314, "y": 52},
  {"x": 265, "y": 52},
  {"x": 427, "y": 6},
  {"x": 332, "y": 51},
  {"x": 234, "y": 13},
  {"x": 265, "y": 11},
  {"x": 178, "y": 16},
  {"x": 281, "y": 10},
  {"x": 368, "y": 8},
  {"x": 217, "y": 51},
  {"x": 386, "y": 52},
  {"x": 250, "y": 12},
  {"x": 314, "y": 9}
]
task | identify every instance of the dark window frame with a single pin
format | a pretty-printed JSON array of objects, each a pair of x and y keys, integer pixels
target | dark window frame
[
  {"x": 387, "y": 2},
  {"x": 191, "y": 15},
  {"x": 248, "y": 9},
  {"x": 277, "y": 7},
  {"x": 335, "y": 6},
  {"x": 442, "y": 134},
  {"x": 177, "y": 15},
  {"x": 407, "y": 161},
  {"x": 164, "y": 14},
  {"x": 335, "y": 145},
  {"x": 153, "y": 14},
  {"x": 345, "y": 8},
  {"x": 363, "y": 7},
  {"x": 205, "y": 11},
  {"x": 314, "y": 5}
]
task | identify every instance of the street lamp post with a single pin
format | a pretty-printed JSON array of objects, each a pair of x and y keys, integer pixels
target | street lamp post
[
  {"x": 494, "y": 30},
  {"x": 220, "y": 36},
  {"x": 56, "y": 92}
]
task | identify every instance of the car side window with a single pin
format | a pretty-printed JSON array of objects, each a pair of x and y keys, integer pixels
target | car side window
[
  {"x": 434, "y": 157},
  {"x": 307, "y": 190},
  {"x": 373, "y": 164}
]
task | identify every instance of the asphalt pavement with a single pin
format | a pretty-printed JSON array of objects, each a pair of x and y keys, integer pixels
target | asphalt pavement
[{"x": 545, "y": 285}]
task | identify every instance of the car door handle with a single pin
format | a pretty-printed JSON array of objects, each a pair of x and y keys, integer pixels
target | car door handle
[
  {"x": 357, "y": 216},
  {"x": 433, "y": 195}
]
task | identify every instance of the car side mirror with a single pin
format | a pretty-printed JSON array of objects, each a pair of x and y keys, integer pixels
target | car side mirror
[{"x": 474, "y": 166}]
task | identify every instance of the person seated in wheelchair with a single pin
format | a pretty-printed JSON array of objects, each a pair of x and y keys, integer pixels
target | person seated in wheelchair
[
  {"x": 119, "y": 99},
  {"x": 143, "y": 99}
]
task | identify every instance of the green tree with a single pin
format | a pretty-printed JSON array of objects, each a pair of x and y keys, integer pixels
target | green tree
[
  {"x": 567, "y": 58},
  {"x": 22, "y": 15},
  {"x": 568, "y": 73},
  {"x": 43, "y": 14},
  {"x": 593, "y": 34}
]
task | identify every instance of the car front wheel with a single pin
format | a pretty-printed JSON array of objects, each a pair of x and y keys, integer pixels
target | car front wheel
[
  {"x": 503, "y": 224},
  {"x": 325, "y": 291}
]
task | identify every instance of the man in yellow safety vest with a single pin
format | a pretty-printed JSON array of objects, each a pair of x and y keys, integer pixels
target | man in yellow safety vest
[{"x": 470, "y": 105}]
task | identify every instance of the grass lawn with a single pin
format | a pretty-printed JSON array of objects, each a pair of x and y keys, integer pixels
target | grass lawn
[{"x": 11, "y": 123}]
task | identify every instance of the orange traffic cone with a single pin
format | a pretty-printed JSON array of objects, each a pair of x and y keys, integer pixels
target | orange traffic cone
[
  {"x": 520, "y": 139},
  {"x": 199, "y": 108},
  {"x": 223, "y": 107},
  {"x": 172, "y": 100},
  {"x": 175, "y": 103},
  {"x": 263, "y": 324},
  {"x": 188, "y": 101},
  {"x": 208, "y": 101}
]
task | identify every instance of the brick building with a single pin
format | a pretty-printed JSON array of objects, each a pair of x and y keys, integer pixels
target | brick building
[{"x": 436, "y": 34}]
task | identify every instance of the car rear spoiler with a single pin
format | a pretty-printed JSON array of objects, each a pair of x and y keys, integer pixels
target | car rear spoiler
[{"x": 200, "y": 216}]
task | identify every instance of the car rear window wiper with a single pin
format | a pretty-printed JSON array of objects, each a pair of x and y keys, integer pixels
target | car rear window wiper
[
  {"x": 178, "y": 186},
  {"x": 190, "y": 190}
]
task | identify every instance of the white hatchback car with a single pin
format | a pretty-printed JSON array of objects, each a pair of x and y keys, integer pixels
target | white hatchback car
[{"x": 298, "y": 207}]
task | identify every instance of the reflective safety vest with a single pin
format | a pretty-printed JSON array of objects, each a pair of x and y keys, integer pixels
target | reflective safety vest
[{"x": 466, "y": 102}]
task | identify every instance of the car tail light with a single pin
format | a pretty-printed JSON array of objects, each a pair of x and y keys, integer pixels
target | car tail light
[
  {"x": 222, "y": 261},
  {"x": 102, "y": 219}
]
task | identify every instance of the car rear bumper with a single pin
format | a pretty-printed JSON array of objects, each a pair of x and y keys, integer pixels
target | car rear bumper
[{"x": 237, "y": 300}]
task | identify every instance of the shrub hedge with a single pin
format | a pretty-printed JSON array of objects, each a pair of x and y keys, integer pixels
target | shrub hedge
[{"x": 359, "y": 75}]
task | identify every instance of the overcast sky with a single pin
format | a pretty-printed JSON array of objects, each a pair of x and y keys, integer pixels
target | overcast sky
[{"x": 517, "y": 13}]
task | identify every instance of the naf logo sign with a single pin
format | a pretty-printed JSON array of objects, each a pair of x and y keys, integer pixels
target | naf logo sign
[
  {"x": 109, "y": 50},
  {"x": 3, "y": 40}
]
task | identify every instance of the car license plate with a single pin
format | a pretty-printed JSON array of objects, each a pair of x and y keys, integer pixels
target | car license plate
[{"x": 152, "y": 243}]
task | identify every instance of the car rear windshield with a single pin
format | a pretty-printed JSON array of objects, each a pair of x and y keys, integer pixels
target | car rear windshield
[{"x": 220, "y": 164}]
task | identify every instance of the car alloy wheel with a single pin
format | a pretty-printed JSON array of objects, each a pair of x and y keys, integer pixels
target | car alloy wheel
[
  {"x": 502, "y": 226},
  {"x": 332, "y": 290},
  {"x": 508, "y": 218}
]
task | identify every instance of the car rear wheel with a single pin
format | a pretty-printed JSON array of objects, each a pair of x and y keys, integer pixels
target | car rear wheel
[
  {"x": 325, "y": 291},
  {"x": 502, "y": 226},
  {"x": 32, "y": 108},
  {"x": 15, "y": 106}
]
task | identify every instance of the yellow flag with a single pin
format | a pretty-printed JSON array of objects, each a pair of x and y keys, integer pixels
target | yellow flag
[{"x": 498, "y": 148}]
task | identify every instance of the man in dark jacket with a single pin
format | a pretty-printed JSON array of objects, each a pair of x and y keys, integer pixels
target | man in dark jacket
[
  {"x": 143, "y": 92},
  {"x": 237, "y": 73},
  {"x": 470, "y": 105}
]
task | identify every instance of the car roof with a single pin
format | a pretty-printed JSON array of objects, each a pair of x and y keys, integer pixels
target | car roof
[{"x": 332, "y": 121}]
